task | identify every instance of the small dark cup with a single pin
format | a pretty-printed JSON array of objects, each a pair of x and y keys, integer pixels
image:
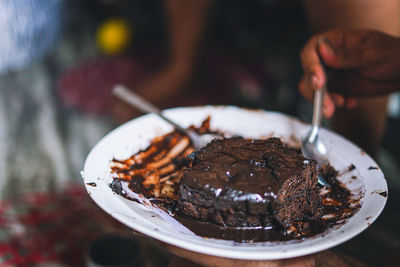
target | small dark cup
[{"x": 114, "y": 251}]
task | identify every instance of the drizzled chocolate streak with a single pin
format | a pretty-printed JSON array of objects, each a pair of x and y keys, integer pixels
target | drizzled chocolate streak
[{"x": 156, "y": 171}]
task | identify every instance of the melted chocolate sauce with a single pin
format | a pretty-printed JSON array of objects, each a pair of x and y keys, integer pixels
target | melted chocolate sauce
[
  {"x": 337, "y": 200},
  {"x": 251, "y": 234}
]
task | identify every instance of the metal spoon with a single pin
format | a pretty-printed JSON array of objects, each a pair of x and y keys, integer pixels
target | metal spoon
[
  {"x": 312, "y": 147},
  {"x": 121, "y": 91}
]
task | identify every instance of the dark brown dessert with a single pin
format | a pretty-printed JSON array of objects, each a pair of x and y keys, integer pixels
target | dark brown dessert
[
  {"x": 284, "y": 204},
  {"x": 249, "y": 183}
]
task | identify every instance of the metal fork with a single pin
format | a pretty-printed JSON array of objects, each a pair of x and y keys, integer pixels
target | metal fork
[{"x": 129, "y": 96}]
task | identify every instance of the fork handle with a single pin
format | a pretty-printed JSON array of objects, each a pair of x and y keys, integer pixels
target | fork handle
[{"x": 142, "y": 104}]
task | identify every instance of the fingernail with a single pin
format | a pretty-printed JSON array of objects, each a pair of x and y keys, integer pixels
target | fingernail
[
  {"x": 338, "y": 99},
  {"x": 314, "y": 82},
  {"x": 351, "y": 103},
  {"x": 329, "y": 46},
  {"x": 325, "y": 111}
]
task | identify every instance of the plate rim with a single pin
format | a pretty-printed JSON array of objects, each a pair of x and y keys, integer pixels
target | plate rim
[{"x": 261, "y": 252}]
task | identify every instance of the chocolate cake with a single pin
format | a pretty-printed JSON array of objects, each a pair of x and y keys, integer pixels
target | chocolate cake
[
  {"x": 236, "y": 189},
  {"x": 250, "y": 183}
]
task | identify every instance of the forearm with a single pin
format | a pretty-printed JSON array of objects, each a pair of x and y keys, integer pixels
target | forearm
[
  {"x": 382, "y": 15},
  {"x": 187, "y": 20}
]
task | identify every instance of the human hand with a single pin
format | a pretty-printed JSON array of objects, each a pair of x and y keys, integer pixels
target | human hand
[{"x": 359, "y": 63}]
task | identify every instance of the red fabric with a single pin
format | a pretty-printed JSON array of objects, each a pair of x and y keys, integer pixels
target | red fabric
[
  {"x": 219, "y": 79},
  {"x": 52, "y": 228},
  {"x": 87, "y": 87}
]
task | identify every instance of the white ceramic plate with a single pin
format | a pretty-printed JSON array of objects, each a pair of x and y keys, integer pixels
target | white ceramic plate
[{"x": 136, "y": 134}]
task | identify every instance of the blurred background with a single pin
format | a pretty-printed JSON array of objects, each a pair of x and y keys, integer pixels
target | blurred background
[{"x": 58, "y": 62}]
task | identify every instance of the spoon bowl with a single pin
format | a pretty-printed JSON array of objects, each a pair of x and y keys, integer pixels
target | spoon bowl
[{"x": 312, "y": 146}]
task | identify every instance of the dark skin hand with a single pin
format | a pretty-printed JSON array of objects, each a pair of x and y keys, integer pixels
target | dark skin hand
[{"x": 358, "y": 64}]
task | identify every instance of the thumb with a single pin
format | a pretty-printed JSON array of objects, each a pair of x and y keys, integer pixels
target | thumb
[{"x": 345, "y": 50}]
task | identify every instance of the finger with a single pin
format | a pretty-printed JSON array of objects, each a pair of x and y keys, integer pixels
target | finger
[
  {"x": 308, "y": 86},
  {"x": 329, "y": 106},
  {"x": 305, "y": 89},
  {"x": 327, "y": 52},
  {"x": 337, "y": 99},
  {"x": 347, "y": 49},
  {"x": 311, "y": 62},
  {"x": 353, "y": 84},
  {"x": 351, "y": 102}
]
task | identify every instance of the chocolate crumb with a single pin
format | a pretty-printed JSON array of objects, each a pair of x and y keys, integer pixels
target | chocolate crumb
[
  {"x": 353, "y": 177},
  {"x": 373, "y": 168},
  {"x": 351, "y": 167},
  {"x": 116, "y": 186},
  {"x": 92, "y": 184},
  {"x": 384, "y": 194}
]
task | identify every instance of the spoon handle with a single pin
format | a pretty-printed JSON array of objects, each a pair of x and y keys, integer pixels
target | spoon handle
[
  {"x": 318, "y": 104},
  {"x": 142, "y": 104}
]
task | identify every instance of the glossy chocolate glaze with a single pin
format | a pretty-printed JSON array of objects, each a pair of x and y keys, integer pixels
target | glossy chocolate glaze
[
  {"x": 249, "y": 183},
  {"x": 251, "y": 166}
]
